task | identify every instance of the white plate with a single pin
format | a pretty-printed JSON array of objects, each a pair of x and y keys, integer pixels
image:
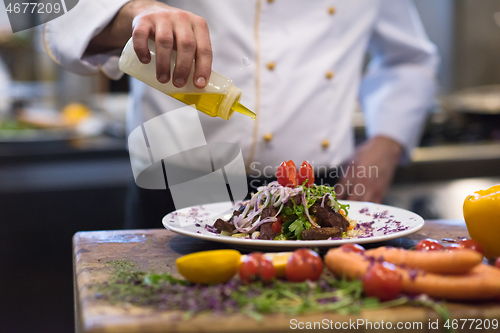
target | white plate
[{"x": 385, "y": 223}]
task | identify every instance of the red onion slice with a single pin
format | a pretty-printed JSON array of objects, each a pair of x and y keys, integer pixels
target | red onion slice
[
  {"x": 257, "y": 224},
  {"x": 306, "y": 210},
  {"x": 323, "y": 200}
]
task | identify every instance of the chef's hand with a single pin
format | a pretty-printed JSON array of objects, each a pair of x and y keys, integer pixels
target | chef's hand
[
  {"x": 374, "y": 164},
  {"x": 171, "y": 28}
]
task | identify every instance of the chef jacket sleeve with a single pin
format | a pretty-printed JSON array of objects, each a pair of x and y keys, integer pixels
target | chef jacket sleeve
[
  {"x": 66, "y": 38},
  {"x": 400, "y": 83}
]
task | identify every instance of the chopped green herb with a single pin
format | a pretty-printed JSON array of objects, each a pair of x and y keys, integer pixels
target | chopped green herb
[
  {"x": 165, "y": 292},
  {"x": 287, "y": 211},
  {"x": 317, "y": 192},
  {"x": 297, "y": 227}
]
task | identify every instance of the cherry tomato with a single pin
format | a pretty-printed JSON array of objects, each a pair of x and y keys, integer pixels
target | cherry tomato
[
  {"x": 287, "y": 174},
  {"x": 471, "y": 245},
  {"x": 382, "y": 281},
  {"x": 292, "y": 172},
  {"x": 291, "y": 164},
  {"x": 276, "y": 226},
  {"x": 303, "y": 265},
  {"x": 353, "y": 248},
  {"x": 306, "y": 172},
  {"x": 257, "y": 267},
  {"x": 497, "y": 263},
  {"x": 453, "y": 247},
  {"x": 428, "y": 244}
]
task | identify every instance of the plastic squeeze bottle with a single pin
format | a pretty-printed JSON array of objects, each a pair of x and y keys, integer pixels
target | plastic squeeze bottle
[{"x": 219, "y": 98}]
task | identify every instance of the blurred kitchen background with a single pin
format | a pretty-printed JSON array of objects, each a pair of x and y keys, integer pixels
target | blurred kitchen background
[{"x": 57, "y": 179}]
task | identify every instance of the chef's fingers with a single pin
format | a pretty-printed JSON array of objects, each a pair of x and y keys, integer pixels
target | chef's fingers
[
  {"x": 140, "y": 34},
  {"x": 164, "y": 43},
  {"x": 203, "y": 61},
  {"x": 185, "y": 42}
]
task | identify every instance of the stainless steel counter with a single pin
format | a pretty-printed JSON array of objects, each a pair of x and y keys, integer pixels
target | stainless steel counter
[{"x": 439, "y": 178}]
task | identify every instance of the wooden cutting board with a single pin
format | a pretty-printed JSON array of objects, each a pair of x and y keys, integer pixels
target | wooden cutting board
[{"x": 157, "y": 249}]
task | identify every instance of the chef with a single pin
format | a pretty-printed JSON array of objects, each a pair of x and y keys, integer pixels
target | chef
[{"x": 304, "y": 75}]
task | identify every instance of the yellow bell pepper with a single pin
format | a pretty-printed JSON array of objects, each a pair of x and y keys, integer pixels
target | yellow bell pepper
[{"x": 482, "y": 216}]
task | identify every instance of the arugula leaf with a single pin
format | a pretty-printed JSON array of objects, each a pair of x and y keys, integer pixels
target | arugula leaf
[
  {"x": 294, "y": 216},
  {"x": 298, "y": 209},
  {"x": 280, "y": 237},
  {"x": 287, "y": 211},
  {"x": 316, "y": 192},
  {"x": 286, "y": 231}
]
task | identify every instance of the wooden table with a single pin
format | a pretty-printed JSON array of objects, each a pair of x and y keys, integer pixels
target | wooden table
[{"x": 157, "y": 249}]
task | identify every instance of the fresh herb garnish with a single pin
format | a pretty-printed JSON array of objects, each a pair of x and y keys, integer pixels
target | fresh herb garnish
[
  {"x": 162, "y": 291},
  {"x": 287, "y": 204},
  {"x": 298, "y": 226},
  {"x": 319, "y": 191},
  {"x": 293, "y": 229}
]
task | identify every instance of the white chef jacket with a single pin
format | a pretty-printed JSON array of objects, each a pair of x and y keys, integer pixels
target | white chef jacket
[{"x": 304, "y": 78}]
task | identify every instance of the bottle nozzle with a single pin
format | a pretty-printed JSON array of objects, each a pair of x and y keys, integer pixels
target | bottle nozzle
[{"x": 238, "y": 107}]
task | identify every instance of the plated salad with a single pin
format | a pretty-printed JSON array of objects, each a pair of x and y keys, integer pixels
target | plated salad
[{"x": 291, "y": 208}]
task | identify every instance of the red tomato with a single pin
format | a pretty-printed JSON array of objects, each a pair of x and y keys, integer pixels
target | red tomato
[
  {"x": 257, "y": 267},
  {"x": 428, "y": 244},
  {"x": 382, "y": 281},
  {"x": 276, "y": 226},
  {"x": 303, "y": 265},
  {"x": 292, "y": 172},
  {"x": 306, "y": 172},
  {"x": 353, "y": 248},
  {"x": 497, "y": 263},
  {"x": 287, "y": 174},
  {"x": 471, "y": 245},
  {"x": 453, "y": 247}
]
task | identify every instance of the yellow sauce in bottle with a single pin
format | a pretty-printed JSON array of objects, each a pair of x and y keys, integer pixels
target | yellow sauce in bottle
[
  {"x": 206, "y": 103},
  {"x": 243, "y": 110},
  {"x": 220, "y": 98},
  {"x": 209, "y": 103}
]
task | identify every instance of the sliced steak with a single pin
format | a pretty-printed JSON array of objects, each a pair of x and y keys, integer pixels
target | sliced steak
[
  {"x": 321, "y": 233},
  {"x": 222, "y": 225},
  {"x": 297, "y": 199},
  {"x": 328, "y": 218},
  {"x": 266, "y": 232},
  {"x": 236, "y": 213},
  {"x": 268, "y": 212},
  {"x": 239, "y": 211}
]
